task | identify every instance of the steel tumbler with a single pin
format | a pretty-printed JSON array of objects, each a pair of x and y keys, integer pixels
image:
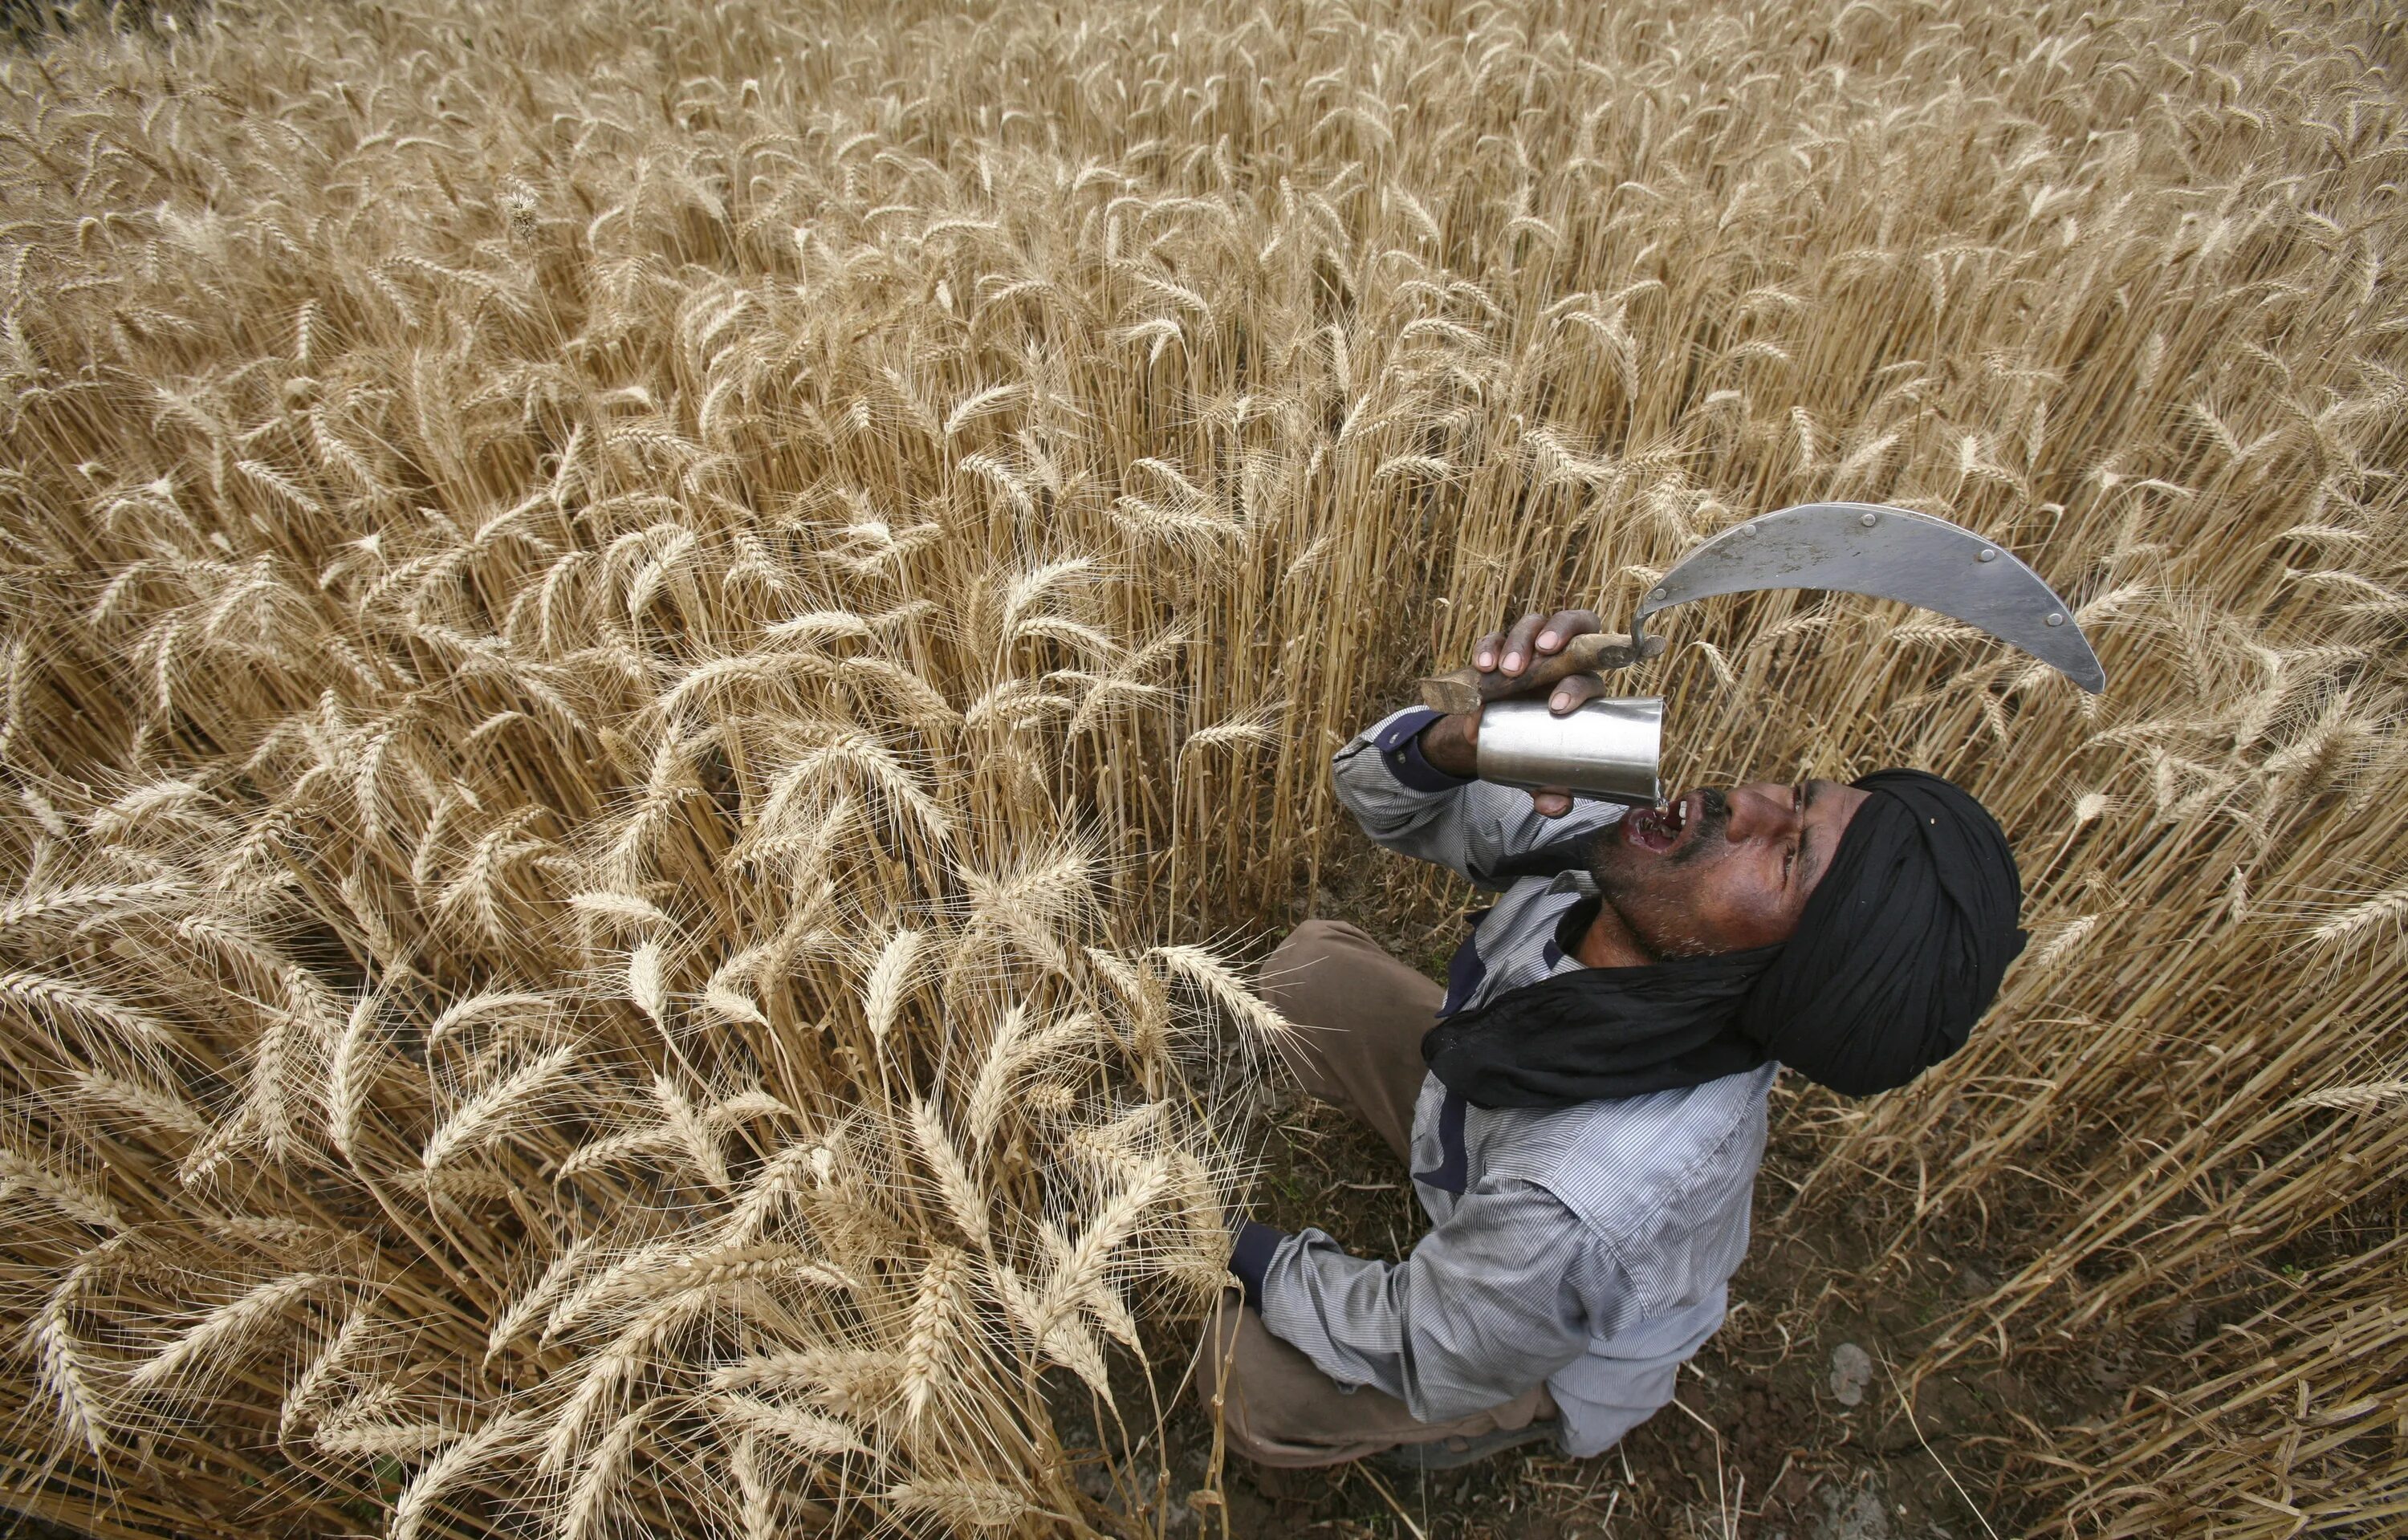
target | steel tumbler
[{"x": 1606, "y": 750}]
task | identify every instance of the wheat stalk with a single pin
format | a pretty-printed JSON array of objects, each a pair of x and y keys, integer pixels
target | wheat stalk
[
  {"x": 966, "y": 1503},
  {"x": 302, "y": 1395},
  {"x": 86, "y": 1205}
]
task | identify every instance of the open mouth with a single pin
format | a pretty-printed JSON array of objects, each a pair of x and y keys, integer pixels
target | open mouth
[{"x": 1661, "y": 828}]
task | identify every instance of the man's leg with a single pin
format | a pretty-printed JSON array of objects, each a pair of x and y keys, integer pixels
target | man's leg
[
  {"x": 1280, "y": 1410},
  {"x": 1360, "y": 1016}
]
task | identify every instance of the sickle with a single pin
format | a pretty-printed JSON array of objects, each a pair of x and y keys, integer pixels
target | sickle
[
  {"x": 1851, "y": 548},
  {"x": 1888, "y": 553}
]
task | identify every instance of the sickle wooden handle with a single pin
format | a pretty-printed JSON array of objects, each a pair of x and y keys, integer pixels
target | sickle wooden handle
[{"x": 1468, "y": 688}]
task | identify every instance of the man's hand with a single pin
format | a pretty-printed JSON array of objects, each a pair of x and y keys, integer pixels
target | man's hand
[{"x": 1452, "y": 742}]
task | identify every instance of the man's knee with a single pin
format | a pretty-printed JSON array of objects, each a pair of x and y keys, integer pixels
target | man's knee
[
  {"x": 1316, "y": 937},
  {"x": 1254, "y": 1385},
  {"x": 1288, "y": 974}
]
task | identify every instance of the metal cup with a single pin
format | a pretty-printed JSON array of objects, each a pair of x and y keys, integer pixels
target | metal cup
[{"x": 1606, "y": 750}]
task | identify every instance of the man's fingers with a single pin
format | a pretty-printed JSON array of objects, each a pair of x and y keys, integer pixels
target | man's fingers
[
  {"x": 1564, "y": 624},
  {"x": 1513, "y": 650},
  {"x": 1574, "y": 691},
  {"x": 1551, "y": 802},
  {"x": 1518, "y": 643}
]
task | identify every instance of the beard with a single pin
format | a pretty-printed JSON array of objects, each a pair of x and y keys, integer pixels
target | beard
[{"x": 1652, "y": 894}]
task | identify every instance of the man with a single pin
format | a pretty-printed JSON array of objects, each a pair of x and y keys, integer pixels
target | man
[{"x": 1583, "y": 1107}]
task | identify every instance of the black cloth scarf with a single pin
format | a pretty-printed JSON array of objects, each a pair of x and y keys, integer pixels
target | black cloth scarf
[{"x": 1898, "y": 951}]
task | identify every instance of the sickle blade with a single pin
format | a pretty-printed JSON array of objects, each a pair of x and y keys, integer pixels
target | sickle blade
[{"x": 1888, "y": 553}]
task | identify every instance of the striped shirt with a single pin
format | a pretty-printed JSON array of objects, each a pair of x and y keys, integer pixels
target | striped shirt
[{"x": 1585, "y": 1247}]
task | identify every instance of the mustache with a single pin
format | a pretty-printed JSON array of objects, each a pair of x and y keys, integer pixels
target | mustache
[{"x": 1713, "y": 818}]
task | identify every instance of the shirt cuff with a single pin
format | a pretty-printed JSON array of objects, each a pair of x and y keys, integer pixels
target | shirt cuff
[
  {"x": 1399, "y": 743},
  {"x": 1250, "y": 1257}
]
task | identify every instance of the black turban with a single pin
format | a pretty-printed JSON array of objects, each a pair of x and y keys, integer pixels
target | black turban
[{"x": 1899, "y": 951}]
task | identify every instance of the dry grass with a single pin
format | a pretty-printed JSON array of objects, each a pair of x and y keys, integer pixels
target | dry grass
[{"x": 636, "y": 637}]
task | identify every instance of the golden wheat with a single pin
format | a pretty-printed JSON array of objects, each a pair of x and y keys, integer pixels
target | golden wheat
[{"x": 638, "y": 638}]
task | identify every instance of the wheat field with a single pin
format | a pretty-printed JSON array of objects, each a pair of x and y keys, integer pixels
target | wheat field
[{"x": 657, "y": 658}]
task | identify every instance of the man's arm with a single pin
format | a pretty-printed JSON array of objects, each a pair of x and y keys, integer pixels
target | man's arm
[
  {"x": 1407, "y": 778},
  {"x": 1488, "y": 1304},
  {"x": 1415, "y": 808}
]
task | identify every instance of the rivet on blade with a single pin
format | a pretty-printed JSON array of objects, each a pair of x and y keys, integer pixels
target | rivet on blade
[
  {"x": 2056, "y": 620},
  {"x": 1867, "y": 520},
  {"x": 1987, "y": 555}
]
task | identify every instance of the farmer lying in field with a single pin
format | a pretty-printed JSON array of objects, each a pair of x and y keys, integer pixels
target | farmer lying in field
[{"x": 1583, "y": 1107}]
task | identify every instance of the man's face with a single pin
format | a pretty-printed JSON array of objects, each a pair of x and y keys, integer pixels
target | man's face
[{"x": 1721, "y": 871}]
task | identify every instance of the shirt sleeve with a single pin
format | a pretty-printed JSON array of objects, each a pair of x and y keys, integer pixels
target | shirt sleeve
[
  {"x": 1491, "y": 1303},
  {"x": 1413, "y": 807}
]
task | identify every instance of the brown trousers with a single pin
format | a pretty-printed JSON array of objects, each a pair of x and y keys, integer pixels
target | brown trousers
[{"x": 1360, "y": 1015}]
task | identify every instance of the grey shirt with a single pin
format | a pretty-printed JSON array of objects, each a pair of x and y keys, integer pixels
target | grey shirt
[{"x": 1585, "y": 1247}]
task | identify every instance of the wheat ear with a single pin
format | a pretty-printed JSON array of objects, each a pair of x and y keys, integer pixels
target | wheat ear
[
  {"x": 416, "y": 1502},
  {"x": 484, "y": 1116},
  {"x": 1220, "y": 982},
  {"x": 960, "y": 1190},
  {"x": 599, "y": 1478},
  {"x": 808, "y": 1431},
  {"x": 225, "y": 1326},
  {"x": 939, "y": 1308}
]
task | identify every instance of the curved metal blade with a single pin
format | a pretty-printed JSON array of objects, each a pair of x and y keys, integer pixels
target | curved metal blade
[{"x": 1888, "y": 553}]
